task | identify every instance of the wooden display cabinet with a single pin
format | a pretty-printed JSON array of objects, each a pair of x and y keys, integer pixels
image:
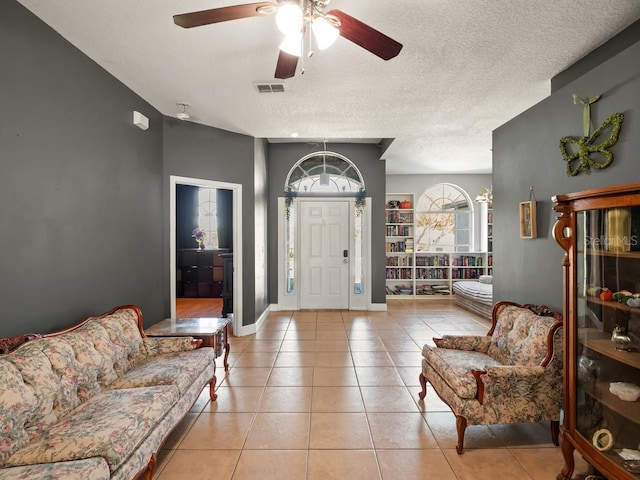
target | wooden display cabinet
[{"x": 599, "y": 229}]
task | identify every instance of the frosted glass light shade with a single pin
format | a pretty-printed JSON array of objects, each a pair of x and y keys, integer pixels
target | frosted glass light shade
[
  {"x": 289, "y": 18},
  {"x": 324, "y": 33},
  {"x": 292, "y": 44}
]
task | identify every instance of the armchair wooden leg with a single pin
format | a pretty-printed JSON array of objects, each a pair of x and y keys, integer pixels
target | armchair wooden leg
[
  {"x": 423, "y": 384},
  {"x": 555, "y": 432},
  {"x": 461, "y": 426}
]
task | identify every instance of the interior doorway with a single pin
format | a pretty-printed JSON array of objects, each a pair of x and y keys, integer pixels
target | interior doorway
[{"x": 235, "y": 207}]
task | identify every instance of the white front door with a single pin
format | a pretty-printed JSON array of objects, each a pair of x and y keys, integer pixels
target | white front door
[{"x": 324, "y": 254}]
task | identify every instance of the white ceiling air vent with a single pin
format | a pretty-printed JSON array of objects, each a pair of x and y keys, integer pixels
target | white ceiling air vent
[{"x": 270, "y": 87}]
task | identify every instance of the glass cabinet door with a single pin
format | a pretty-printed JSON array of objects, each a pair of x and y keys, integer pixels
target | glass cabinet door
[{"x": 607, "y": 376}]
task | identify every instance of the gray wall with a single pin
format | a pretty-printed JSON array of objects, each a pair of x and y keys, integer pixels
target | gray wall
[
  {"x": 526, "y": 152},
  {"x": 84, "y": 203},
  {"x": 417, "y": 184},
  {"x": 609, "y": 49},
  {"x": 261, "y": 188},
  {"x": 80, "y": 185},
  {"x": 197, "y": 151},
  {"x": 283, "y": 156}
]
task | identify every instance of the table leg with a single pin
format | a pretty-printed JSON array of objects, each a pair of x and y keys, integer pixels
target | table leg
[
  {"x": 212, "y": 389},
  {"x": 226, "y": 347},
  {"x": 212, "y": 386}
]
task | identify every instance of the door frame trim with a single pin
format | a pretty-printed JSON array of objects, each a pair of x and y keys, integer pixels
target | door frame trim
[
  {"x": 356, "y": 302},
  {"x": 236, "y": 189}
]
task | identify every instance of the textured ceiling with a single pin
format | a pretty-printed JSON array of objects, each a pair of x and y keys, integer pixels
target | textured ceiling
[{"x": 466, "y": 68}]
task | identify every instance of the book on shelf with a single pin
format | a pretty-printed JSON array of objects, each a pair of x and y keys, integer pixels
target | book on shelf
[
  {"x": 399, "y": 290},
  {"x": 424, "y": 290},
  {"x": 440, "y": 289},
  {"x": 408, "y": 245}
]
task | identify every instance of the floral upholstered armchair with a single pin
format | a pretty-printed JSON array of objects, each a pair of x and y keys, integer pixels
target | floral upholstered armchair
[{"x": 511, "y": 375}]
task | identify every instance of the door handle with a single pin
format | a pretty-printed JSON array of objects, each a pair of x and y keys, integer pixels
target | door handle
[{"x": 345, "y": 253}]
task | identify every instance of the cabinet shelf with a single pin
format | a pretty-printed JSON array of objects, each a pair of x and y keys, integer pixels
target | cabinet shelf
[
  {"x": 611, "y": 304},
  {"x": 600, "y": 392},
  {"x": 606, "y": 253},
  {"x": 601, "y": 342},
  {"x": 199, "y": 273}
]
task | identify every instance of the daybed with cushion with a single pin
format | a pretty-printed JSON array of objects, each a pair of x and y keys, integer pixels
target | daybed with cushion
[
  {"x": 475, "y": 296},
  {"x": 97, "y": 400},
  {"x": 511, "y": 375}
]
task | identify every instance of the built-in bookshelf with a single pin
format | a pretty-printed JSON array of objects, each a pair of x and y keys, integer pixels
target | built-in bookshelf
[
  {"x": 433, "y": 274},
  {"x": 399, "y": 230},
  {"x": 410, "y": 273},
  {"x": 490, "y": 230},
  {"x": 490, "y": 241},
  {"x": 486, "y": 233}
]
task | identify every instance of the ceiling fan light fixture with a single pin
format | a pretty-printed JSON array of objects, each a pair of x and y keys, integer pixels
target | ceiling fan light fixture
[
  {"x": 324, "y": 33},
  {"x": 289, "y": 18},
  {"x": 292, "y": 44}
]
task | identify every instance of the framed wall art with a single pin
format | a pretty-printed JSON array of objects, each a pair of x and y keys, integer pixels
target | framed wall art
[{"x": 528, "y": 219}]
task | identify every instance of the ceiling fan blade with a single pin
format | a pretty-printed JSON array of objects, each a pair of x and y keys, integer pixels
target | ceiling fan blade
[
  {"x": 224, "y": 14},
  {"x": 367, "y": 37},
  {"x": 287, "y": 64}
]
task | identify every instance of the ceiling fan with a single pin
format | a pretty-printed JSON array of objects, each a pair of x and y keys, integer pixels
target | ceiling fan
[{"x": 293, "y": 18}]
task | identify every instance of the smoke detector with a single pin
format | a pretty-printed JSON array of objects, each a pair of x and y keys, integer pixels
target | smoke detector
[{"x": 183, "y": 115}]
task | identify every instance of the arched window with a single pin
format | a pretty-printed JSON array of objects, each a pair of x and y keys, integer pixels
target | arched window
[
  {"x": 324, "y": 172},
  {"x": 207, "y": 216},
  {"x": 444, "y": 220}
]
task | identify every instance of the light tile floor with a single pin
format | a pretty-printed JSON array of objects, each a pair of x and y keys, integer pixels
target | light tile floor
[{"x": 318, "y": 395}]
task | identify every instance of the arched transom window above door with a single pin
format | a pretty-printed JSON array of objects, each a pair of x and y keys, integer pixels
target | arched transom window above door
[{"x": 324, "y": 172}]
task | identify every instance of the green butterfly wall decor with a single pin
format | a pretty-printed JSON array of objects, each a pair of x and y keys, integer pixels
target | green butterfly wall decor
[{"x": 581, "y": 154}]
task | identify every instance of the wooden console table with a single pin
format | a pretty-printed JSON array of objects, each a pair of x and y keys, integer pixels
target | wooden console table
[{"x": 214, "y": 333}]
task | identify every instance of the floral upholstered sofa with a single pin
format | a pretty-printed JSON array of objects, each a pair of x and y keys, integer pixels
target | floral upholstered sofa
[
  {"x": 97, "y": 400},
  {"x": 511, "y": 375}
]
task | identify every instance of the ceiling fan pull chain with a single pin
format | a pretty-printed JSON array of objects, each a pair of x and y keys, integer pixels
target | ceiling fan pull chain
[
  {"x": 302, "y": 55},
  {"x": 310, "y": 54}
]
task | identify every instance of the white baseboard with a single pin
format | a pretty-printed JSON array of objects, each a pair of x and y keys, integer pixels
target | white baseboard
[
  {"x": 253, "y": 328},
  {"x": 378, "y": 307},
  {"x": 374, "y": 307},
  {"x": 276, "y": 307},
  {"x": 263, "y": 317}
]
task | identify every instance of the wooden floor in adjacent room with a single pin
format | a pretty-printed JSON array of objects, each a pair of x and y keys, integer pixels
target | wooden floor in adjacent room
[{"x": 198, "y": 307}]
